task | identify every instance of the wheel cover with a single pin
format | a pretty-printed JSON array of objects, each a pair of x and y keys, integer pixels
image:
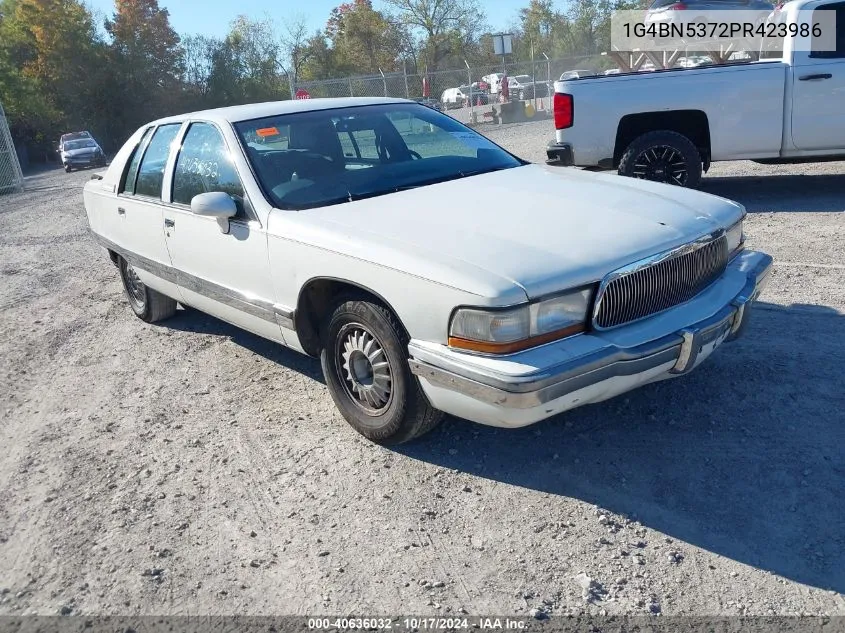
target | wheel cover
[
  {"x": 135, "y": 288},
  {"x": 364, "y": 369},
  {"x": 661, "y": 163}
]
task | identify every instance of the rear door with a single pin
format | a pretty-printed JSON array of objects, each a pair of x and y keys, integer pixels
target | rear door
[
  {"x": 224, "y": 274},
  {"x": 138, "y": 207},
  {"x": 818, "y": 89}
]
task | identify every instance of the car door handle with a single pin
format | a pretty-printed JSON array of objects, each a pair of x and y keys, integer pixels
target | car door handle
[
  {"x": 121, "y": 211},
  {"x": 811, "y": 77},
  {"x": 168, "y": 223}
]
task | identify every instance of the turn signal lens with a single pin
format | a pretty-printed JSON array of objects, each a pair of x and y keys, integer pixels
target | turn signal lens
[{"x": 736, "y": 238}]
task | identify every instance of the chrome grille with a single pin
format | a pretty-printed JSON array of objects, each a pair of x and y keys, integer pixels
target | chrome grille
[{"x": 660, "y": 282}]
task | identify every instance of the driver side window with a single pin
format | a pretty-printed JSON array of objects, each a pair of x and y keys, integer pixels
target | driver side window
[{"x": 204, "y": 165}]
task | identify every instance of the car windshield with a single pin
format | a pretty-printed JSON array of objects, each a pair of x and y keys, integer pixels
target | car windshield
[
  {"x": 523, "y": 78},
  {"x": 325, "y": 157},
  {"x": 79, "y": 144}
]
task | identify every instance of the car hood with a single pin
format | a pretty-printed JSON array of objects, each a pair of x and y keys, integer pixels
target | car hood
[{"x": 541, "y": 229}]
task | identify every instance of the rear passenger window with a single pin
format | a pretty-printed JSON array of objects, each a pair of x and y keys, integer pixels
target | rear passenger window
[
  {"x": 830, "y": 40},
  {"x": 204, "y": 165},
  {"x": 134, "y": 162},
  {"x": 151, "y": 172}
]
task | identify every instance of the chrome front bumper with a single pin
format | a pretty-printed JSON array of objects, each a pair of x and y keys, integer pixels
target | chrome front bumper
[{"x": 481, "y": 379}]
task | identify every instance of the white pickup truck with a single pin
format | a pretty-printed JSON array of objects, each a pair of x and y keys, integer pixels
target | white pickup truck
[{"x": 669, "y": 125}]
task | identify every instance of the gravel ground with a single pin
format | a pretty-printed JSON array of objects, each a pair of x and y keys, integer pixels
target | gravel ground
[{"x": 190, "y": 468}]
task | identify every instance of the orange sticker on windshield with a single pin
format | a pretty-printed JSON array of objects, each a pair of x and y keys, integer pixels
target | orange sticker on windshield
[{"x": 267, "y": 131}]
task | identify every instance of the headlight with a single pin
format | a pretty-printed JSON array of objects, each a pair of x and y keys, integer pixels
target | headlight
[
  {"x": 513, "y": 329},
  {"x": 736, "y": 239}
]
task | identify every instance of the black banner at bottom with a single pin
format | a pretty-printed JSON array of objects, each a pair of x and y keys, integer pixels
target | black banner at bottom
[{"x": 540, "y": 623}]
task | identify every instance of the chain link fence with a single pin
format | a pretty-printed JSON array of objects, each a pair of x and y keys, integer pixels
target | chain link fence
[
  {"x": 542, "y": 74},
  {"x": 11, "y": 178}
]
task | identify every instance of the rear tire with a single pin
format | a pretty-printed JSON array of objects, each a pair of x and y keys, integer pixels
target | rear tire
[
  {"x": 364, "y": 361},
  {"x": 67, "y": 169},
  {"x": 662, "y": 156},
  {"x": 147, "y": 304}
]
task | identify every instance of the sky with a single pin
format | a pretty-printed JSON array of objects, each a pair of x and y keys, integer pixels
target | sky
[{"x": 212, "y": 17}]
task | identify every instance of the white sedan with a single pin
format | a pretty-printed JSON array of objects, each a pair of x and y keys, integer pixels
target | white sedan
[{"x": 430, "y": 270}]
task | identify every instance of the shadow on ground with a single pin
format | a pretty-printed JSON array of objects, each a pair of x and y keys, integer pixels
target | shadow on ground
[
  {"x": 190, "y": 320},
  {"x": 743, "y": 457},
  {"x": 791, "y": 193}
]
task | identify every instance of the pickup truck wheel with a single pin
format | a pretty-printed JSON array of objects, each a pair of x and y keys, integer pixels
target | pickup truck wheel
[
  {"x": 364, "y": 361},
  {"x": 662, "y": 156},
  {"x": 147, "y": 304}
]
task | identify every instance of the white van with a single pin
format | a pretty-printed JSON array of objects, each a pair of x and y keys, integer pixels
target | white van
[{"x": 453, "y": 98}]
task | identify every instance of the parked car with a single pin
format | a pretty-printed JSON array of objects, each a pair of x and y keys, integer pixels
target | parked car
[
  {"x": 431, "y": 103},
  {"x": 577, "y": 74},
  {"x": 337, "y": 244},
  {"x": 453, "y": 98},
  {"x": 671, "y": 125},
  {"x": 476, "y": 94},
  {"x": 611, "y": 71},
  {"x": 693, "y": 61},
  {"x": 81, "y": 152},
  {"x": 522, "y": 87},
  {"x": 494, "y": 80}
]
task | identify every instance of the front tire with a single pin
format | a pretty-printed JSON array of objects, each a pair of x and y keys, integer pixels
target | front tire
[
  {"x": 147, "y": 304},
  {"x": 364, "y": 361},
  {"x": 662, "y": 156}
]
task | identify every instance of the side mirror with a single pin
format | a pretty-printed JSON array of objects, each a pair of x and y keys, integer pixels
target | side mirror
[{"x": 215, "y": 204}]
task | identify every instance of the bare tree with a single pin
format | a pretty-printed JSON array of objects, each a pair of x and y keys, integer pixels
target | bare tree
[{"x": 295, "y": 44}]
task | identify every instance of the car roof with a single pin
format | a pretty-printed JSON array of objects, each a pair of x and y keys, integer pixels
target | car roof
[{"x": 233, "y": 114}]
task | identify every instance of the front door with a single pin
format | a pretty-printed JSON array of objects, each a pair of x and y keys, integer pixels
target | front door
[
  {"x": 138, "y": 211},
  {"x": 818, "y": 90},
  {"x": 226, "y": 274}
]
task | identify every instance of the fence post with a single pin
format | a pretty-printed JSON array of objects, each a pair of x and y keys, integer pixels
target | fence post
[
  {"x": 383, "y": 81},
  {"x": 292, "y": 86},
  {"x": 549, "y": 90},
  {"x": 471, "y": 102},
  {"x": 11, "y": 176},
  {"x": 405, "y": 73}
]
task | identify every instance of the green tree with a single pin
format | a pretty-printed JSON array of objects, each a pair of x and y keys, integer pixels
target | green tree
[
  {"x": 246, "y": 66},
  {"x": 48, "y": 49},
  {"x": 445, "y": 31},
  {"x": 146, "y": 62},
  {"x": 363, "y": 39}
]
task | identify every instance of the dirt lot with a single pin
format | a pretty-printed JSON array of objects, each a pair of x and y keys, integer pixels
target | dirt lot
[{"x": 190, "y": 468}]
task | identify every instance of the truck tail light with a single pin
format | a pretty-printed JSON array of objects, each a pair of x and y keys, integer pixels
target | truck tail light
[
  {"x": 678, "y": 6},
  {"x": 564, "y": 110}
]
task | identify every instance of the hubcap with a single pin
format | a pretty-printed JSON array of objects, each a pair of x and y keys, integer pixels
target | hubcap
[
  {"x": 135, "y": 287},
  {"x": 662, "y": 164},
  {"x": 365, "y": 370}
]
